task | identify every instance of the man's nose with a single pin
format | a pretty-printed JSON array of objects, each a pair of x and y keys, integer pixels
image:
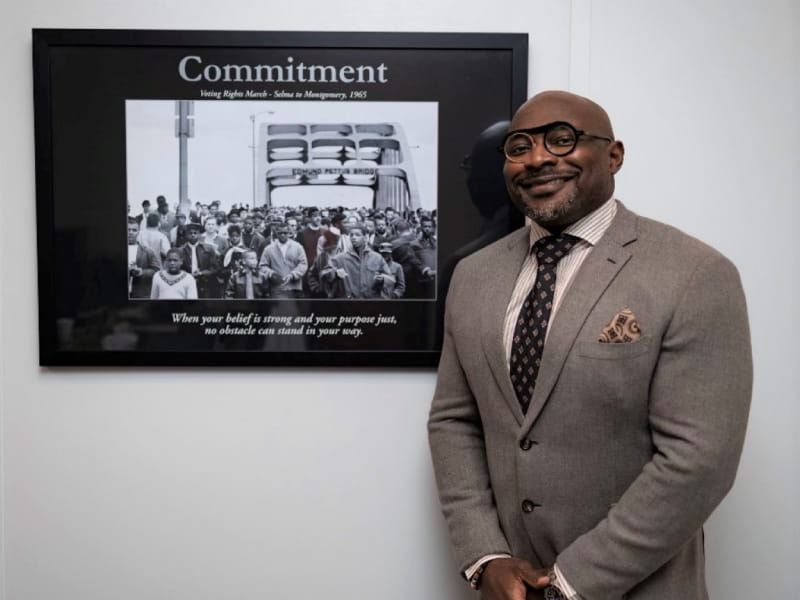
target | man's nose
[{"x": 539, "y": 155}]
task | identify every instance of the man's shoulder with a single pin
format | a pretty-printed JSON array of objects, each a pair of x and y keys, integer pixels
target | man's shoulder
[
  {"x": 495, "y": 252},
  {"x": 671, "y": 244}
]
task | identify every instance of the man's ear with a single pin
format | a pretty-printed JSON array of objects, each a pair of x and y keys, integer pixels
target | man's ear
[{"x": 616, "y": 156}]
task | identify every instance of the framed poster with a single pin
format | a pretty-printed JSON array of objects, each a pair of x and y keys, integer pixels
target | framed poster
[{"x": 288, "y": 198}]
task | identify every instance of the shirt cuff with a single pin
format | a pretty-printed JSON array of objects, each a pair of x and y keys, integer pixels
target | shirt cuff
[
  {"x": 563, "y": 585},
  {"x": 480, "y": 562}
]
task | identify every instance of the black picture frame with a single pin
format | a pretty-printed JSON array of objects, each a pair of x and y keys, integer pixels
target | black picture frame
[{"x": 88, "y": 83}]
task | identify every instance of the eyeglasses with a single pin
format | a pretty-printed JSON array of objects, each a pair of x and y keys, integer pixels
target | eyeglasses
[{"x": 560, "y": 138}]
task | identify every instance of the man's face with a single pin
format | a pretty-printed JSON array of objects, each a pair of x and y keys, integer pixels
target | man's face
[
  {"x": 133, "y": 231},
  {"x": 211, "y": 225},
  {"x": 358, "y": 239},
  {"x": 235, "y": 237},
  {"x": 380, "y": 226},
  {"x": 203, "y": 210},
  {"x": 369, "y": 227},
  {"x": 427, "y": 228},
  {"x": 316, "y": 219},
  {"x": 173, "y": 263},
  {"x": 292, "y": 223},
  {"x": 193, "y": 235},
  {"x": 248, "y": 225},
  {"x": 283, "y": 234},
  {"x": 556, "y": 191},
  {"x": 234, "y": 218}
]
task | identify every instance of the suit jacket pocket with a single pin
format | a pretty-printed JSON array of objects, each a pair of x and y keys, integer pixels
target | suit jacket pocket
[{"x": 611, "y": 351}]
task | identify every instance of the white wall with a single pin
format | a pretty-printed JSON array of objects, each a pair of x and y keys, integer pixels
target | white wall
[{"x": 281, "y": 483}]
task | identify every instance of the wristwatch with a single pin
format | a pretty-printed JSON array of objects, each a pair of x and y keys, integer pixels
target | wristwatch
[{"x": 551, "y": 592}]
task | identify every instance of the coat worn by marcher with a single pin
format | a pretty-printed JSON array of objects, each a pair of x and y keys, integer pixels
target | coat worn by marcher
[
  {"x": 238, "y": 285},
  {"x": 626, "y": 448},
  {"x": 293, "y": 266},
  {"x": 207, "y": 267},
  {"x": 368, "y": 275},
  {"x": 149, "y": 263}
]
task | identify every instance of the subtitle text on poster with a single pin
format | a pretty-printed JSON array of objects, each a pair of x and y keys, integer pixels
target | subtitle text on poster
[{"x": 310, "y": 325}]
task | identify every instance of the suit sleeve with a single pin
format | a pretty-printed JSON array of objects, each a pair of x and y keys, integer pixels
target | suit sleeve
[
  {"x": 457, "y": 446},
  {"x": 699, "y": 402}
]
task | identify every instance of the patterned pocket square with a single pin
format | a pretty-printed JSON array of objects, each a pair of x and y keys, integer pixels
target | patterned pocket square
[{"x": 622, "y": 328}]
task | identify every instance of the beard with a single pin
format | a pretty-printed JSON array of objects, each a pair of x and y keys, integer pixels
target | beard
[{"x": 544, "y": 215}]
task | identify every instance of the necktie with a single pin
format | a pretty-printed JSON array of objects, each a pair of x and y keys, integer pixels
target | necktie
[{"x": 534, "y": 316}]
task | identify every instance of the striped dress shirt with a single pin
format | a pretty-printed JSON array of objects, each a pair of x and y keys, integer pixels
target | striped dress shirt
[{"x": 589, "y": 229}]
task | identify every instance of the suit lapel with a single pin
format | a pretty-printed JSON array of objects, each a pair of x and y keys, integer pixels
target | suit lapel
[
  {"x": 499, "y": 286},
  {"x": 595, "y": 275}
]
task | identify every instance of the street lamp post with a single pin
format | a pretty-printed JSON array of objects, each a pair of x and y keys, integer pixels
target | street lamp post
[{"x": 184, "y": 129}]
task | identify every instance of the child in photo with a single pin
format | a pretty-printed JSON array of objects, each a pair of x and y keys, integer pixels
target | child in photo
[
  {"x": 171, "y": 283},
  {"x": 248, "y": 281}
]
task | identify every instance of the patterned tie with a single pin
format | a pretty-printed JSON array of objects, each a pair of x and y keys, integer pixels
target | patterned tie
[{"x": 534, "y": 316}]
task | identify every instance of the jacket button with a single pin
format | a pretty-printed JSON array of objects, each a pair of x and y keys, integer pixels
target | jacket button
[
  {"x": 526, "y": 444},
  {"x": 528, "y": 506}
]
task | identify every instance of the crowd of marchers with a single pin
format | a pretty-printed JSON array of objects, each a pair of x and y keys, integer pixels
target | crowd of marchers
[{"x": 280, "y": 253}]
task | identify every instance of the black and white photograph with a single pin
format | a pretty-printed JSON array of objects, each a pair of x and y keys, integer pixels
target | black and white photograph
[
  {"x": 288, "y": 198},
  {"x": 236, "y": 199}
]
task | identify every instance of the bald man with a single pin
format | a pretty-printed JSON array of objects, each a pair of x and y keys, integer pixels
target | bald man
[{"x": 594, "y": 382}]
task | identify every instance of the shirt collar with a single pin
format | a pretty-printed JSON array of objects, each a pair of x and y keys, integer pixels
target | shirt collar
[{"x": 589, "y": 228}]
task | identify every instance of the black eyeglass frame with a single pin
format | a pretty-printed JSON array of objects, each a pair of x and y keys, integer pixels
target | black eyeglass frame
[{"x": 545, "y": 129}]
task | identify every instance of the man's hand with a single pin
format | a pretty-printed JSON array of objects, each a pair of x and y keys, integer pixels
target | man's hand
[{"x": 511, "y": 579}]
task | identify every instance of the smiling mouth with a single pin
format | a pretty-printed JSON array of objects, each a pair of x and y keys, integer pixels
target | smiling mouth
[{"x": 544, "y": 181}]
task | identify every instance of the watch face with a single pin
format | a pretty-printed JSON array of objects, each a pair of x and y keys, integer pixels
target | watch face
[{"x": 553, "y": 593}]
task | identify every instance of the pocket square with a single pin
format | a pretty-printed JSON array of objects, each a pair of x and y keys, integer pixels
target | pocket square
[{"x": 622, "y": 328}]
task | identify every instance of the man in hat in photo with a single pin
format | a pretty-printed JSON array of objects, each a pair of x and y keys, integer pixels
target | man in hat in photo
[
  {"x": 385, "y": 250},
  {"x": 166, "y": 215},
  {"x": 201, "y": 260}
]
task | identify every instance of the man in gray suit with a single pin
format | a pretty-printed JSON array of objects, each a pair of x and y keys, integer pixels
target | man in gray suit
[{"x": 583, "y": 433}]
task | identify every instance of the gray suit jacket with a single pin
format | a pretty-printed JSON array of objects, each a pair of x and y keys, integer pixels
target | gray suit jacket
[{"x": 626, "y": 448}]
